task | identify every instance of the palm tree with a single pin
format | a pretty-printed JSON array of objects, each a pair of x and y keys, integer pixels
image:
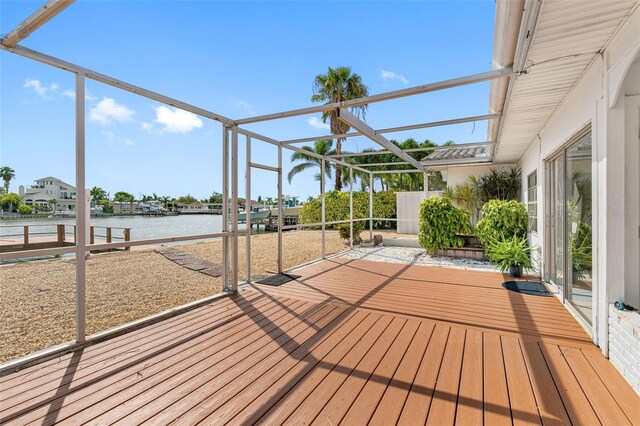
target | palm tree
[
  {"x": 11, "y": 199},
  {"x": 7, "y": 174},
  {"x": 52, "y": 202},
  {"x": 98, "y": 194},
  {"x": 338, "y": 85},
  {"x": 165, "y": 200},
  {"x": 322, "y": 147}
]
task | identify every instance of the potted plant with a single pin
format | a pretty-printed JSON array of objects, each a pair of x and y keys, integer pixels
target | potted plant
[{"x": 512, "y": 254}]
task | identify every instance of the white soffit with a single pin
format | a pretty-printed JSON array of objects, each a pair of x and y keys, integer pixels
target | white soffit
[{"x": 568, "y": 36}]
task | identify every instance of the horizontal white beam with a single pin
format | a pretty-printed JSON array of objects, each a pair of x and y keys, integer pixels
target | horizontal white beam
[
  {"x": 397, "y": 163},
  {"x": 366, "y": 130},
  {"x": 102, "y": 78},
  {"x": 37, "y": 19},
  {"x": 271, "y": 141},
  {"x": 440, "y": 123},
  {"x": 416, "y": 90},
  {"x": 433, "y": 148},
  {"x": 258, "y": 136},
  {"x": 455, "y": 161},
  {"x": 398, "y": 129},
  {"x": 154, "y": 241},
  {"x": 394, "y": 172},
  {"x": 264, "y": 167}
]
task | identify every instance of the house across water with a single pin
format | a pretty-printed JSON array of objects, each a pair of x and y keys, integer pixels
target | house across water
[{"x": 50, "y": 190}]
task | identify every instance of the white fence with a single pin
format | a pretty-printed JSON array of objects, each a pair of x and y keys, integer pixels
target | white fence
[{"x": 408, "y": 205}]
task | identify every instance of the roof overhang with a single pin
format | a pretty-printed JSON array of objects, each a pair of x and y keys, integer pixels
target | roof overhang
[{"x": 557, "y": 42}]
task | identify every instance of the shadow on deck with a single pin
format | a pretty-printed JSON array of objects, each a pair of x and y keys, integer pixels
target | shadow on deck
[{"x": 350, "y": 341}]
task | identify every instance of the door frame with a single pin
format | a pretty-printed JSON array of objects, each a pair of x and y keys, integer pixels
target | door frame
[{"x": 560, "y": 152}]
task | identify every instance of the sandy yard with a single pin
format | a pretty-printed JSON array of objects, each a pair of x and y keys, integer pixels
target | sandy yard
[{"x": 37, "y": 299}]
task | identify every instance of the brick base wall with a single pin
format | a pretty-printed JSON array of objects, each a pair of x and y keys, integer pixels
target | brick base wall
[
  {"x": 624, "y": 344},
  {"x": 463, "y": 252}
]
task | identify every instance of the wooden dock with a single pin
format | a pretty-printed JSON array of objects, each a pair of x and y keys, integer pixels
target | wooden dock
[{"x": 35, "y": 236}]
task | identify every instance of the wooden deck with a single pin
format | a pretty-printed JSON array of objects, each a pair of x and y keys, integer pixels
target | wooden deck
[{"x": 350, "y": 342}]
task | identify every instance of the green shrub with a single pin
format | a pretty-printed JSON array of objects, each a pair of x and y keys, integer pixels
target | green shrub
[
  {"x": 344, "y": 231},
  {"x": 440, "y": 222},
  {"x": 107, "y": 207},
  {"x": 499, "y": 184},
  {"x": 337, "y": 206},
  {"x": 501, "y": 218},
  {"x": 513, "y": 251},
  {"x": 24, "y": 209}
]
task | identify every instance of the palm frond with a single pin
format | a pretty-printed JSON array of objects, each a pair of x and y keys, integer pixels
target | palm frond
[{"x": 299, "y": 168}]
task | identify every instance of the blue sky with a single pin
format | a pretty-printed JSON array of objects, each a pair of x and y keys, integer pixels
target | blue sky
[{"x": 234, "y": 58}]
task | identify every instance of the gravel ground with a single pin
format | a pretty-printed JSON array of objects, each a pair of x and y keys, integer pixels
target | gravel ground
[
  {"x": 37, "y": 298},
  {"x": 414, "y": 256}
]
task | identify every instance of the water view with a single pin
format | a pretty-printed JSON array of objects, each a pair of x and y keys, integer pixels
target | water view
[{"x": 142, "y": 227}]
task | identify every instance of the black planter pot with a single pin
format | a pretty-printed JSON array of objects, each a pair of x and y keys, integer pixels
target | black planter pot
[{"x": 515, "y": 271}]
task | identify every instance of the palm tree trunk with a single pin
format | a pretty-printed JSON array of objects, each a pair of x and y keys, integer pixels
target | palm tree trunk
[{"x": 339, "y": 166}]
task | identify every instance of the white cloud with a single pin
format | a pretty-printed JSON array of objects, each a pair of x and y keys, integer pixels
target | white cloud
[
  {"x": 174, "y": 120},
  {"x": 316, "y": 123},
  {"x": 37, "y": 87},
  {"x": 390, "y": 75},
  {"x": 108, "y": 110},
  {"x": 128, "y": 142},
  {"x": 245, "y": 106},
  {"x": 72, "y": 94}
]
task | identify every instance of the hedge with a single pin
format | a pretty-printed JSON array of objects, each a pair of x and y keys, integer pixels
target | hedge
[{"x": 337, "y": 206}]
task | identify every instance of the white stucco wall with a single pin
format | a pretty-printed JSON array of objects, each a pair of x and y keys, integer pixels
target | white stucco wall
[
  {"x": 459, "y": 174},
  {"x": 615, "y": 254}
]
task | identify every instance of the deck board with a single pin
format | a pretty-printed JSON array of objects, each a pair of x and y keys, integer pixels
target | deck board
[{"x": 349, "y": 342}]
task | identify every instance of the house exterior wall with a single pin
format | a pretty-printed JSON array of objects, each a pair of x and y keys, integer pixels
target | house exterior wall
[
  {"x": 614, "y": 167},
  {"x": 624, "y": 344},
  {"x": 459, "y": 174}
]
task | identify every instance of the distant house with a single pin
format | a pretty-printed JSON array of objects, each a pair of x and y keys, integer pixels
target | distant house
[
  {"x": 195, "y": 208},
  {"x": 125, "y": 206},
  {"x": 49, "y": 188}
]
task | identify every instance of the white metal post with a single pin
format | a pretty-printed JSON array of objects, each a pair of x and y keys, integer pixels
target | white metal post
[
  {"x": 322, "y": 179},
  {"x": 234, "y": 208},
  {"x": 87, "y": 213},
  {"x": 81, "y": 207},
  {"x": 225, "y": 207},
  {"x": 247, "y": 207},
  {"x": 280, "y": 209},
  {"x": 426, "y": 182},
  {"x": 351, "y": 207},
  {"x": 371, "y": 207}
]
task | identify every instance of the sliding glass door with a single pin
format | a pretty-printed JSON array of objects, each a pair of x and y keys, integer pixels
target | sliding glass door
[
  {"x": 569, "y": 214},
  {"x": 555, "y": 206}
]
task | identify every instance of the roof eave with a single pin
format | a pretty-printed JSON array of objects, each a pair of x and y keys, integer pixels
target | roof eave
[{"x": 507, "y": 33}]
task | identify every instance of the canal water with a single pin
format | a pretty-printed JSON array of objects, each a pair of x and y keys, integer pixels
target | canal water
[{"x": 142, "y": 227}]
